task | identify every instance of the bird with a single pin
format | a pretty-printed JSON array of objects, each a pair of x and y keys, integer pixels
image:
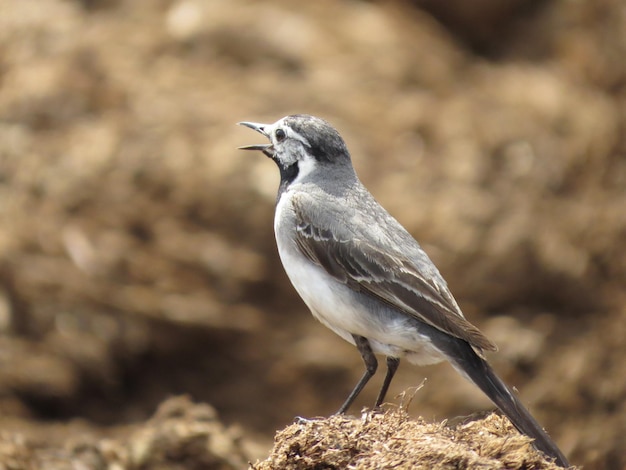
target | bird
[{"x": 362, "y": 274}]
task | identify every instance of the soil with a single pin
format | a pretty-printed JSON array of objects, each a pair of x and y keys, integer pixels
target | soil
[{"x": 137, "y": 259}]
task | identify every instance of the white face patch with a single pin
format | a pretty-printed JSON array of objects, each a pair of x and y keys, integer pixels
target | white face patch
[{"x": 291, "y": 149}]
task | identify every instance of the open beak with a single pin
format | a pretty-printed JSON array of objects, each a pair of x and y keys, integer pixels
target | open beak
[{"x": 267, "y": 149}]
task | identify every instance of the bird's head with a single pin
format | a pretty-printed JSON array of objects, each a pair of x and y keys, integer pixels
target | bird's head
[{"x": 300, "y": 144}]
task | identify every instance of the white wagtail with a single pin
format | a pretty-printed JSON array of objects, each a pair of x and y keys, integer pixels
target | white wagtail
[{"x": 364, "y": 276}]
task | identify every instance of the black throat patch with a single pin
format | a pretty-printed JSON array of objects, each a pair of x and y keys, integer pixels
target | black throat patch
[{"x": 287, "y": 176}]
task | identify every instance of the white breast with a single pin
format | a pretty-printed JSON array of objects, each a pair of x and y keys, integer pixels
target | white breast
[{"x": 311, "y": 281}]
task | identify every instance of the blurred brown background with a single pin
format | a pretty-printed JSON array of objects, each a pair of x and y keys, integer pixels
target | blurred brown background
[{"x": 137, "y": 258}]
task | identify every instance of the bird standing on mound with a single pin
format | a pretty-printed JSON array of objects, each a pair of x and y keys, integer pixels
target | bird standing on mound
[{"x": 364, "y": 276}]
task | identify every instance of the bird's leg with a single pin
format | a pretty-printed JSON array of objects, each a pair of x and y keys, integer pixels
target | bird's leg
[
  {"x": 392, "y": 367},
  {"x": 371, "y": 364}
]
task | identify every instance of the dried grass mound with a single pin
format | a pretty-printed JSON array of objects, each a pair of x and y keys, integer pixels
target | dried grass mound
[{"x": 391, "y": 440}]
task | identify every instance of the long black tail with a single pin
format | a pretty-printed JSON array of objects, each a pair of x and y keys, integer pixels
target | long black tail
[{"x": 472, "y": 366}]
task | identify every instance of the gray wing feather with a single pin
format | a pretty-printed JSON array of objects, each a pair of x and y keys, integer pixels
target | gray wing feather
[{"x": 392, "y": 278}]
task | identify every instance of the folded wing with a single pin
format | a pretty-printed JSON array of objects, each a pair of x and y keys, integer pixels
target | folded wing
[{"x": 391, "y": 278}]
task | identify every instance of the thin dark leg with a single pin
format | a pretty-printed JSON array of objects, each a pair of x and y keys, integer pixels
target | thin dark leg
[
  {"x": 371, "y": 364},
  {"x": 392, "y": 367}
]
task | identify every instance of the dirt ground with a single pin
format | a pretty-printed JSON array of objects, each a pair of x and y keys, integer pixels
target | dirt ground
[{"x": 137, "y": 259}]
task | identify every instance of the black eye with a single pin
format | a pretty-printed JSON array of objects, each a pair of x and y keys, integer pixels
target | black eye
[{"x": 280, "y": 135}]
